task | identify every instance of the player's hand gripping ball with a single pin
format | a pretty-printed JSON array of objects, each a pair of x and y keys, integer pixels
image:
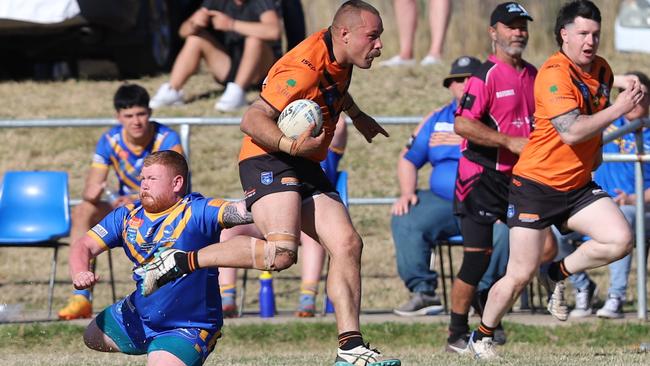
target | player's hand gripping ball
[{"x": 297, "y": 117}]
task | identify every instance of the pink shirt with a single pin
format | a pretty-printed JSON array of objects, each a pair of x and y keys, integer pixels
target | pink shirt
[{"x": 500, "y": 97}]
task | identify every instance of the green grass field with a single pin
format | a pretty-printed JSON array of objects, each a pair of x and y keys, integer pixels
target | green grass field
[
  {"x": 379, "y": 91},
  {"x": 312, "y": 343}
]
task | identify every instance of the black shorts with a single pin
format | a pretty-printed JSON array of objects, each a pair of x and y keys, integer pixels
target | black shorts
[
  {"x": 481, "y": 194},
  {"x": 279, "y": 172},
  {"x": 538, "y": 206}
]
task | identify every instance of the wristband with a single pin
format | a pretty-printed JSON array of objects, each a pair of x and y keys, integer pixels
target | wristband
[{"x": 285, "y": 144}]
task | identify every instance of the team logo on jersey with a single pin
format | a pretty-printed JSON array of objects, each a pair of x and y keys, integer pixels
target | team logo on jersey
[
  {"x": 511, "y": 211},
  {"x": 553, "y": 89},
  {"x": 131, "y": 234},
  {"x": 135, "y": 222},
  {"x": 584, "y": 90},
  {"x": 99, "y": 230},
  {"x": 168, "y": 231},
  {"x": 291, "y": 82},
  {"x": 266, "y": 178}
]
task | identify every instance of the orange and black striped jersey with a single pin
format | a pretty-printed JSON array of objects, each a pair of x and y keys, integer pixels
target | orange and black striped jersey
[
  {"x": 561, "y": 86},
  {"x": 308, "y": 71}
]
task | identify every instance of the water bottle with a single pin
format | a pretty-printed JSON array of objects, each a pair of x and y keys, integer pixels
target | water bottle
[
  {"x": 329, "y": 307},
  {"x": 110, "y": 195},
  {"x": 267, "y": 298}
]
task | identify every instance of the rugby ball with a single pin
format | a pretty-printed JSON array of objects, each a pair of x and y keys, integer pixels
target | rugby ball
[{"x": 298, "y": 115}]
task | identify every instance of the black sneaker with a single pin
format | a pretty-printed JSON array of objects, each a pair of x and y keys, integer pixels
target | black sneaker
[
  {"x": 420, "y": 304},
  {"x": 458, "y": 345}
]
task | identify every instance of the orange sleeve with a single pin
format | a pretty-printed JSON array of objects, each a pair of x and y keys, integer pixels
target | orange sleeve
[
  {"x": 555, "y": 94},
  {"x": 287, "y": 83}
]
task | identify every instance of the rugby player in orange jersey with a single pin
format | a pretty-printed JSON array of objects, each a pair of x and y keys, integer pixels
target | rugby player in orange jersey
[
  {"x": 551, "y": 183},
  {"x": 285, "y": 187}
]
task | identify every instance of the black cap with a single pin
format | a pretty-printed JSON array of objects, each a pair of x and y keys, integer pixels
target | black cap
[
  {"x": 507, "y": 12},
  {"x": 462, "y": 67}
]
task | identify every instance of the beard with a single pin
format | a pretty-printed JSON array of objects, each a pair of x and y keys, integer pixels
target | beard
[
  {"x": 513, "y": 51},
  {"x": 154, "y": 204}
]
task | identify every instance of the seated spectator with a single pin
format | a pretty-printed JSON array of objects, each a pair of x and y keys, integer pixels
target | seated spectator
[
  {"x": 618, "y": 180},
  {"x": 122, "y": 149},
  {"x": 239, "y": 41},
  {"x": 420, "y": 217}
]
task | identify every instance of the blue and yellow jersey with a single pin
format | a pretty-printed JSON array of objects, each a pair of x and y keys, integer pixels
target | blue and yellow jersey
[
  {"x": 112, "y": 151},
  {"x": 191, "y": 224}
]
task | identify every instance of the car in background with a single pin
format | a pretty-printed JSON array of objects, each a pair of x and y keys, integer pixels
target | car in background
[
  {"x": 632, "y": 26},
  {"x": 140, "y": 36}
]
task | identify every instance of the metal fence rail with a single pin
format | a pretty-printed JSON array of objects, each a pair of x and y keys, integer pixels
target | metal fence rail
[{"x": 185, "y": 123}]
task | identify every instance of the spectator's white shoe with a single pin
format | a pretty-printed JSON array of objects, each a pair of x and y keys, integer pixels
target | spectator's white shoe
[
  {"x": 232, "y": 99},
  {"x": 585, "y": 298},
  {"x": 166, "y": 95},
  {"x": 397, "y": 61},
  {"x": 613, "y": 308},
  {"x": 429, "y": 60}
]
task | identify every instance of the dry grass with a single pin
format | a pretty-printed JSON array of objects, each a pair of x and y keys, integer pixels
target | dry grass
[{"x": 380, "y": 91}]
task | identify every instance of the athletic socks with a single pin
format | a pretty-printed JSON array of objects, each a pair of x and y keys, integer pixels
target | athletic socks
[
  {"x": 350, "y": 340},
  {"x": 309, "y": 288},
  {"x": 228, "y": 293},
  {"x": 85, "y": 293},
  {"x": 557, "y": 271},
  {"x": 483, "y": 331},
  {"x": 458, "y": 326}
]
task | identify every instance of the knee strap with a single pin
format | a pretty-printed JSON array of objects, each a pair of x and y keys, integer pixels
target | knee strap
[
  {"x": 475, "y": 263},
  {"x": 264, "y": 252}
]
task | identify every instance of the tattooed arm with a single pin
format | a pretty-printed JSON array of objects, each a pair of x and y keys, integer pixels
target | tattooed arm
[
  {"x": 574, "y": 127},
  {"x": 235, "y": 213}
]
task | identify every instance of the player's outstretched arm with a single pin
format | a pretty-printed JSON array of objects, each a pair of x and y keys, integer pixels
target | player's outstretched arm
[
  {"x": 235, "y": 213},
  {"x": 365, "y": 124},
  {"x": 82, "y": 251},
  {"x": 480, "y": 134}
]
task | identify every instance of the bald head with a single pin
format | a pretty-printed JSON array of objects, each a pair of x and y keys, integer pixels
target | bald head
[{"x": 349, "y": 14}]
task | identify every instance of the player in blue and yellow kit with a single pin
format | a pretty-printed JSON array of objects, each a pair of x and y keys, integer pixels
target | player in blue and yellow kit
[
  {"x": 123, "y": 149},
  {"x": 180, "y": 324}
]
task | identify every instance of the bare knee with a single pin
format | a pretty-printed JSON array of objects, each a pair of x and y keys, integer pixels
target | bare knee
[
  {"x": 621, "y": 244},
  {"x": 279, "y": 251},
  {"x": 349, "y": 246}
]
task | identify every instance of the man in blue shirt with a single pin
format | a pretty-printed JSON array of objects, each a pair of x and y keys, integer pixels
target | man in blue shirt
[
  {"x": 618, "y": 180},
  {"x": 122, "y": 148},
  {"x": 179, "y": 324}
]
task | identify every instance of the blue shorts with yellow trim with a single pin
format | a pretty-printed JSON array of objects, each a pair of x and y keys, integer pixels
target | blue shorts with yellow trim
[{"x": 122, "y": 323}]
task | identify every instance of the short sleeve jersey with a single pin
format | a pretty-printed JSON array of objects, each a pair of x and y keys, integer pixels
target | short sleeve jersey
[
  {"x": 248, "y": 11},
  {"x": 112, "y": 151},
  {"x": 500, "y": 97},
  {"x": 308, "y": 71},
  {"x": 561, "y": 87},
  {"x": 437, "y": 144},
  {"x": 616, "y": 175},
  {"x": 191, "y": 224}
]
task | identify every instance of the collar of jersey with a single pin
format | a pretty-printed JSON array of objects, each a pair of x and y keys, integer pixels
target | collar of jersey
[{"x": 155, "y": 216}]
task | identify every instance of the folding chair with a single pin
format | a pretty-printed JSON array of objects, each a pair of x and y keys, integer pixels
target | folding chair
[
  {"x": 34, "y": 212},
  {"x": 455, "y": 240}
]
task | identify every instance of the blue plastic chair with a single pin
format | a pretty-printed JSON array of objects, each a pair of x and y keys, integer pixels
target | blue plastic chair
[{"x": 34, "y": 212}]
